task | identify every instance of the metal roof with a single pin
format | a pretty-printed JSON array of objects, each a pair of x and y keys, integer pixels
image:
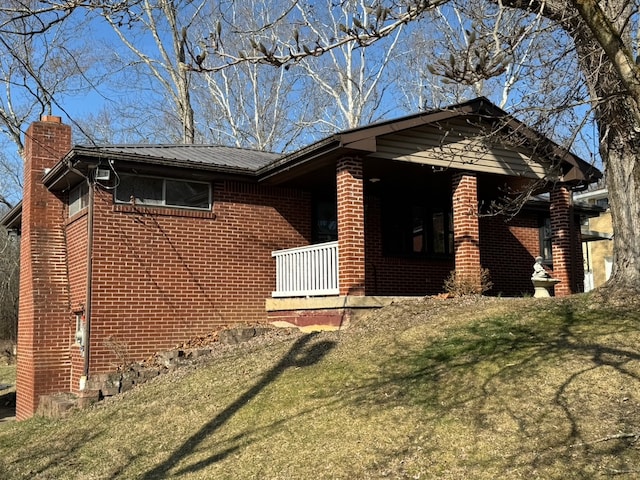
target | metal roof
[{"x": 212, "y": 155}]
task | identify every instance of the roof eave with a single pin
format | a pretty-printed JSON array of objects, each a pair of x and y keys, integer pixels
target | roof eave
[
  {"x": 12, "y": 220},
  {"x": 300, "y": 158}
]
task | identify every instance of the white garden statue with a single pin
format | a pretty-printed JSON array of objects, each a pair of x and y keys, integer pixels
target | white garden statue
[{"x": 542, "y": 280}]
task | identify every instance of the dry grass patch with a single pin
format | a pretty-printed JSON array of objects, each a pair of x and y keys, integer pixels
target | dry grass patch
[{"x": 465, "y": 388}]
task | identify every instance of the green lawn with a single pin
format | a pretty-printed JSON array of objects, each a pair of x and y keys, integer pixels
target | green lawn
[{"x": 438, "y": 389}]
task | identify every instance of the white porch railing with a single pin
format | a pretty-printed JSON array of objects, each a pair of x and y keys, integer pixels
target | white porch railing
[{"x": 307, "y": 271}]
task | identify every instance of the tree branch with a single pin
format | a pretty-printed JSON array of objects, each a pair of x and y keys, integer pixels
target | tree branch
[
  {"x": 611, "y": 42},
  {"x": 361, "y": 34}
]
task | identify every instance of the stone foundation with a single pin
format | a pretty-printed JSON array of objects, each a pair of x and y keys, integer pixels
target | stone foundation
[{"x": 104, "y": 385}]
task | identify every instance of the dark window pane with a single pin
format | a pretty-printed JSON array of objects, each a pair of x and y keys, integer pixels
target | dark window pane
[
  {"x": 417, "y": 231},
  {"x": 145, "y": 190},
  {"x": 545, "y": 240},
  {"x": 439, "y": 233},
  {"x": 326, "y": 221},
  {"x": 412, "y": 225},
  {"x": 450, "y": 233},
  {"x": 187, "y": 194}
]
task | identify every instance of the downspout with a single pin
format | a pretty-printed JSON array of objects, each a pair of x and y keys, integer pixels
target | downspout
[
  {"x": 87, "y": 307},
  {"x": 87, "y": 325}
]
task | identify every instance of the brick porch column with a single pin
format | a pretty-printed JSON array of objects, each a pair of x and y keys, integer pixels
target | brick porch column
[
  {"x": 466, "y": 227},
  {"x": 561, "y": 240},
  {"x": 44, "y": 332},
  {"x": 351, "y": 263}
]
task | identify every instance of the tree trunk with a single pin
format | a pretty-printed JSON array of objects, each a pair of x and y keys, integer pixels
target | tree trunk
[
  {"x": 600, "y": 32},
  {"x": 613, "y": 85},
  {"x": 623, "y": 183},
  {"x": 616, "y": 113}
]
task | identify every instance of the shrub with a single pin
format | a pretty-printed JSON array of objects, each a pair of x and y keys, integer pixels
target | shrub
[{"x": 458, "y": 285}]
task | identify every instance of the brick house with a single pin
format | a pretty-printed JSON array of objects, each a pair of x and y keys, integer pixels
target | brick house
[{"x": 130, "y": 250}]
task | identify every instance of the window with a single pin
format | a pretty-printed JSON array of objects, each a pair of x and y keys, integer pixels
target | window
[
  {"x": 78, "y": 198},
  {"x": 603, "y": 202},
  {"x": 157, "y": 191},
  {"x": 417, "y": 228},
  {"x": 325, "y": 223},
  {"x": 545, "y": 240}
]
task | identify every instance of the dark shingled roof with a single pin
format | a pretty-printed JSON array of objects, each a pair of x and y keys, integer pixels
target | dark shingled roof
[{"x": 213, "y": 155}]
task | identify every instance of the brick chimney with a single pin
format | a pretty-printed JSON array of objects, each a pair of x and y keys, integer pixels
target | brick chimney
[{"x": 43, "y": 320}]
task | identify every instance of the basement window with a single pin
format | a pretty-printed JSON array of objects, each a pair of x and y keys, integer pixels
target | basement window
[
  {"x": 165, "y": 192},
  {"x": 78, "y": 198}
]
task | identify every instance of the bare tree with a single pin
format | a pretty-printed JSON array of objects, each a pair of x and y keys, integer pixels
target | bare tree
[
  {"x": 249, "y": 104},
  {"x": 163, "y": 26},
  {"x": 480, "y": 49},
  {"x": 9, "y": 276},
  {"x": 456, "y": 52},
  {"x": 35, "y": 71},
  {"x": 353, "y": 80},
  {"x": 244, "y": 105}
]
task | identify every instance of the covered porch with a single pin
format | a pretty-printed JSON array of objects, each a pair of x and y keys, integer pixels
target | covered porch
[{"x": 400, "y": 205}]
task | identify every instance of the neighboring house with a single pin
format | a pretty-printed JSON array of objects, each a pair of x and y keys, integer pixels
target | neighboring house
[
  {"x": 597, "y": 236},
  {"x": 129, "y": 250}
]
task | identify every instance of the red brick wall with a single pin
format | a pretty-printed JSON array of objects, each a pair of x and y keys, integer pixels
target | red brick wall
[
  {"x": 162, "y": 276},
  {"x": 76, "y": 237},
  {"x": 508, "y": 249},
  {"x": 43, "y": 328}
]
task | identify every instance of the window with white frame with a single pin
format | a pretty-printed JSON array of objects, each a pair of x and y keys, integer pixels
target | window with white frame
[
  {"x": 78, "y": 198},
  {"x": 166, "y": 192}
]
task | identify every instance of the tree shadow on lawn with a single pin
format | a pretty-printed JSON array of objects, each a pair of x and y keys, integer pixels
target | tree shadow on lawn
[
  {"x": 45, "y": 459},
  {"x": 7, "y": 404},
  {"x": 303, "y": 353},
  {"x": 552, "y": 389}
]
